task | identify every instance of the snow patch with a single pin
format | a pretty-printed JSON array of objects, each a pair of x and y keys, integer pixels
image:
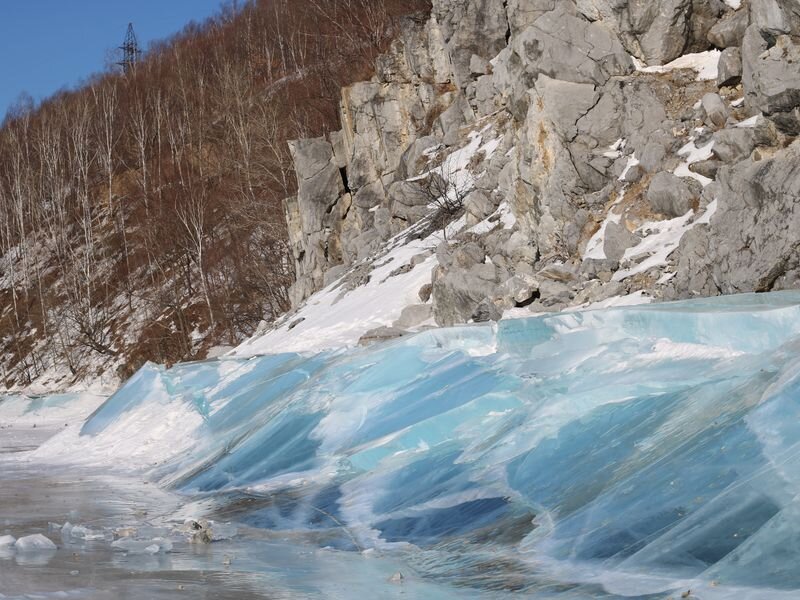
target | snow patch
[{"x": 703, "y": 63}]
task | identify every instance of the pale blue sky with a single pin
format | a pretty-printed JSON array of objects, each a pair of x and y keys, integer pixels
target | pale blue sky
[{"x": 46, "y": 45}]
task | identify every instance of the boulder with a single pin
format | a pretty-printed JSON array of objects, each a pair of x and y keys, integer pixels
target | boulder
[
  {"x": 734, "y": 144},
  {"x": 473, "y": 27},
  {"x": 617, "y": 240},
  {"x": 408, "y": 201},
  {"x": 657, "y": 31},
  {"x": 486, "y": 311},
  {"x": 414, "y": 315},
  {"x": 771, "y": 78},
  {"x": 715, "y": 110},
  {"x": 566, "y": 47},
  {"x": 753, "y": 240},
  {"x": 381, "y": 334},
  {"x": 671, "y": 195},
  {"x": 414, "y": 157},
  {"x": 728, "y": 32},
  {"x": 477, "y": 206},
  {"x": 457, "y": 292},
  {"x": 729, "y": 70},
  {"x": 448, "y": 124}
]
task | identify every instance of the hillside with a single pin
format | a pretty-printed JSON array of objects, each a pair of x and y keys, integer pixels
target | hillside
[
  {"x": 576, "y": 154},
  {"x": 141, "y": 214},
  {"x": 478, "y": 160}
]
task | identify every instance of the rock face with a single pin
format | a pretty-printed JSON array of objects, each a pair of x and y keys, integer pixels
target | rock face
[
  {"x": 753, "y": 240},
  {"x": 600, "y": 179}
]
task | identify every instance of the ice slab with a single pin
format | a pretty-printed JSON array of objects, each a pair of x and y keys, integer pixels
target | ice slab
[
  {"x": 34, "y": 543},
  {"x": 634, "y": 448}
]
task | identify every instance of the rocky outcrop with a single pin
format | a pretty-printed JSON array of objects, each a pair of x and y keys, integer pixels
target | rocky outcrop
[
  {"x": 604, "y": 177},
  {"x": 752, "y": 242}
]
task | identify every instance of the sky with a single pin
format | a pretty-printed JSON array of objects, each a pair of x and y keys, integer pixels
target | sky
[{"x": 47, "y": 45}]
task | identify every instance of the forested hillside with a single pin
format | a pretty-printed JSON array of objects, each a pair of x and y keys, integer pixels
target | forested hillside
[{"x": 141, "y": 214}]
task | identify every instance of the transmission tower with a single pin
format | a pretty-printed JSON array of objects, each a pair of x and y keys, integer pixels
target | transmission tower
[{"x": 130, "y": 50}]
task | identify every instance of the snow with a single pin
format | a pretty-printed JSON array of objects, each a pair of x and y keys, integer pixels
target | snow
[
  {"x": 503, "y": 215},
  {"x": 711, "y": 210},
  {"x": 692, "y": 155},
  {"x": 637, "y": 298},
  {"x": 632, "y": 162},
  {"x": 332, "y": 319},
  {"x": 595, "y": 248},
  {"x": 615, "y": 150},
  {"x": 734, "y": 4},
  {"x": 53, "y": 410},
  {"x": 704, "y": 63},
  {"x": 659, "y": 240}
]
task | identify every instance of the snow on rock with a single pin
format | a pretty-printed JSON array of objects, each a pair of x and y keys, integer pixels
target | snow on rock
[
  {"x": 660, "y": 239},
  {"x": 693, "y": 154},
  {"x": 703, "y": 63},
  {"x": 337, "y": 316},
  {"x": 334, "y": 318},
  {"x": 595, "y": 248}
]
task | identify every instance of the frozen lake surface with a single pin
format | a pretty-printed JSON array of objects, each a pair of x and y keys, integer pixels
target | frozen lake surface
[{"x": 639, "y": 452}]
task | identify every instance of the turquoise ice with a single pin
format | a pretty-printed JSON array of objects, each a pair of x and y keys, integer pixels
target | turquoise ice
[{"x": 636, "y": 449}]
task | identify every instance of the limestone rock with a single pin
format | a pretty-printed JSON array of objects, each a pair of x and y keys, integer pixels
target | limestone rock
[
  {"x": 671, "y": 195},
  {"x": 729, "y": 70},
  {"x": 471, "y": 27},
  {"x": 566, "y": 47},
  {"x": 716, "y": 112},
  {"x": 381, "y": 334},
  {"x": 414, "y": 315},
  {"x": 657, "y": 31},
  {"x": 734, "y": 144},
  {"x": 753, "y": 240},
  {"x": 771, "y": 78},
  {"x": 728, "y": 32},
  {"x": 617, "y": 240}
]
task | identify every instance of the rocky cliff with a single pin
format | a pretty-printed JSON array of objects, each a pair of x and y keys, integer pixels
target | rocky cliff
[{"x": 568, "y": 152}]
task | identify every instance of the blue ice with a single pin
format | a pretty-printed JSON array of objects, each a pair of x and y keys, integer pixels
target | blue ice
[{"x": 630, "y": 448}]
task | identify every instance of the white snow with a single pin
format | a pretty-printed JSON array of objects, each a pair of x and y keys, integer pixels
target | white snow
[
  {"x": 660, "y": 239},
  {"x": 632, "y": 162},
  {"x": 615, "y": 149},
  {"x": 333, "y": 318},
  {"x": 734, "y": 4},
  {"x": 635, "y": 299},
  {"x": 595, "y": 248},
  {"x": 142, "y": 437},
  {"x": 711, "y": 209},
  {"x": 24, "y": 411},
  {"x": 502, "y": 215},
  {"x": 703, "y": 63},
  {"x": 692, "y": 155}
]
